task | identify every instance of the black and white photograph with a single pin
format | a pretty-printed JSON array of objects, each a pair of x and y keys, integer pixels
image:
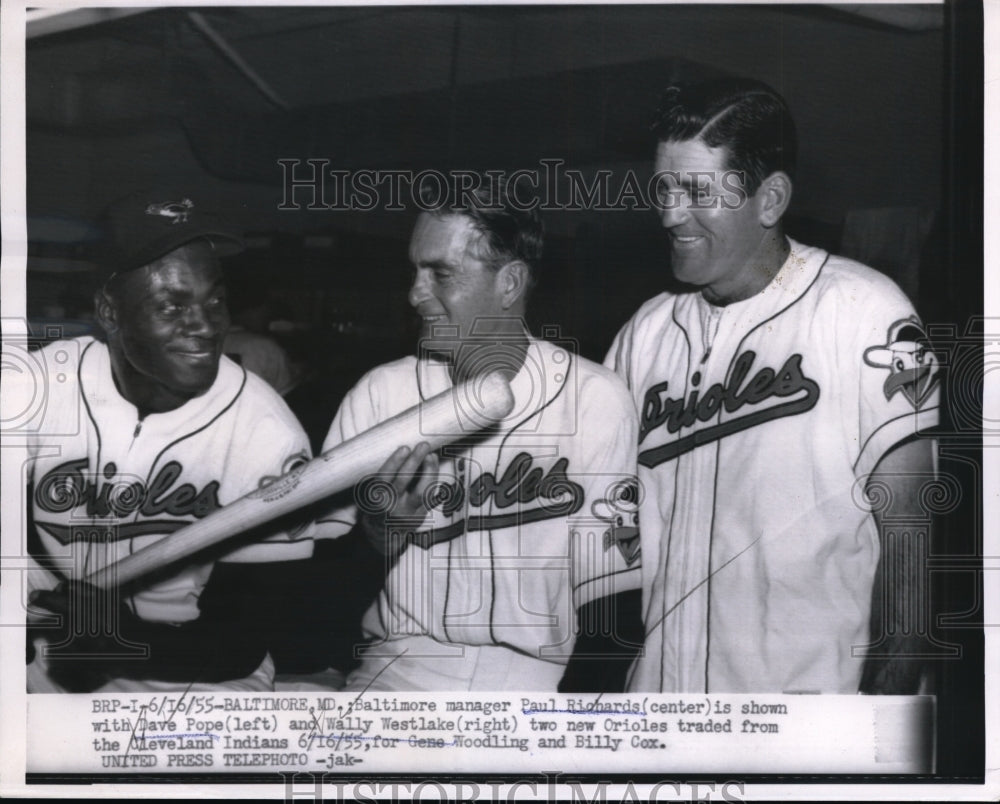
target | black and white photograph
[{"x": 492, "y": 401}]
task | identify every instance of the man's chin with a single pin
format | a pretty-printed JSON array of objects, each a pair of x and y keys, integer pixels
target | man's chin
[
  {"x": 689, "y": 277},
  {"x": 438, "y": 341},
  {"x": 196, "y": 383},
  {"x": 436, "y": 350},
  {"x": 684, "y": 271}
]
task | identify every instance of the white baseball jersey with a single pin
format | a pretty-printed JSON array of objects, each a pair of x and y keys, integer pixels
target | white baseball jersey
[
  {"x": 530, "y": 511},
  {"x": 106, "y": 484},
  {"x": 759, "y": 422}
]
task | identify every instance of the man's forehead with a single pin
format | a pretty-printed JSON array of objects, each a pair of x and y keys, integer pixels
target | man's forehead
[
  {"x": 690, "y": 155},
  {"x": 441, "y": 238},
  {"x": 178, "y": 270}
]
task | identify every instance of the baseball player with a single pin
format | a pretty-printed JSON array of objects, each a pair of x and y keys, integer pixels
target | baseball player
[
  {"x": 142, "y": 434},
  {"x": 505, "y": 571},
  {"x": 773, "y": 392}
]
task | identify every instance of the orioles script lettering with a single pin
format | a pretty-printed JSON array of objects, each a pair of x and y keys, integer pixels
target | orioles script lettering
[
  {"x": 66, "y": 487},
  {"x": 538, "y": 494},
  {"x": 673, "y": 414}
]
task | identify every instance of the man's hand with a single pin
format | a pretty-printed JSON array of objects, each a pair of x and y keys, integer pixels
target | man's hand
[
  {"x": 410, "y": 473},
  {"x": 900, "y": 593},
  {"x": 84, "y": 648},
  {"x": 610, "y": 636},
  {"x": 98, "y": 640}
]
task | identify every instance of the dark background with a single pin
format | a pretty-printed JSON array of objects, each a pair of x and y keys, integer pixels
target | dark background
[{"x": 887, "y": 100}]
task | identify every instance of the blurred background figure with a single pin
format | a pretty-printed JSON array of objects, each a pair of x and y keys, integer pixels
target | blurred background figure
[{"x": 250, "y": 344}]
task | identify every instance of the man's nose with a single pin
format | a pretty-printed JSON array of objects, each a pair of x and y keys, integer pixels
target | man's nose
[
  {"x": 418, "y": 288},
  {"x": 204, "y": 321},
  {"x": 675, "y": 211}
]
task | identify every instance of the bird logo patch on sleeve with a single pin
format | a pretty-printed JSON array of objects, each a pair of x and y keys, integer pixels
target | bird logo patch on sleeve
[
  {"x": 621, "y": 511},
  {"x": 913, "y": 366}
]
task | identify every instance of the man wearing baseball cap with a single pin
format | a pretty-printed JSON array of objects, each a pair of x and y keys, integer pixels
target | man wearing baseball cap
[{"x": 143, "y": 432}]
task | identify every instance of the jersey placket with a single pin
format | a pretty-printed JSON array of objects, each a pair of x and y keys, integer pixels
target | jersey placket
[
  {"x": 470, "y": 561},
  {"x": 456, "y": 469},
  {"x": 690, "y": 569},
  {"x": 118, "y": 429},
  {"x": 733, "y": 324}
]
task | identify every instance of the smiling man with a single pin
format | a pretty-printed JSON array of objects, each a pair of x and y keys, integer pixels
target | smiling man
[
  {"x": 143, "y": 433},
  {"x": 506, "y": 568},
  {"x": 769, "y": 403}
]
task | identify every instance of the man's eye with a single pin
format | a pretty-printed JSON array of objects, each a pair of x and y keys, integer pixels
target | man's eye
[
  {"x": 168, "y": 308},
  {"x": 670, "y": 195}
]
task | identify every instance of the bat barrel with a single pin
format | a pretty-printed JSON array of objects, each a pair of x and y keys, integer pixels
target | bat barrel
[{"x": 462, "y": 410}]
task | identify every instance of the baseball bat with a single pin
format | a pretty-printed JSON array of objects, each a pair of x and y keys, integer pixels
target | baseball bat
[{"x": 463, "y": 409}]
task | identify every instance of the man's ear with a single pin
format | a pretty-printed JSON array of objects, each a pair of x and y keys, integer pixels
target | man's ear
[
  {"x": 773, "y": 197},
  {"x": 514, "y": 279},
  {"x": 106, "y": 311}
]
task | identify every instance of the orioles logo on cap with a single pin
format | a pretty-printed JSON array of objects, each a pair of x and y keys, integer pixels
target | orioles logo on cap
[
  {"x": 913, "y": 367},
  {"x": 177, "y": 211}
]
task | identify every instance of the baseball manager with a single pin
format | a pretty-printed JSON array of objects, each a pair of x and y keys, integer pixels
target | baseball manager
[{"x": 773, "y": 392}]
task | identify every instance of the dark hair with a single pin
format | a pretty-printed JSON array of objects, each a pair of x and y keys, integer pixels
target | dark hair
[
  {"x": 509, "y": 230},
  {"x": 747, "y": 117}
]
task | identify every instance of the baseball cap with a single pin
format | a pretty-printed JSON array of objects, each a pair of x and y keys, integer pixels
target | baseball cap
[{"x": 143, "y": 226}]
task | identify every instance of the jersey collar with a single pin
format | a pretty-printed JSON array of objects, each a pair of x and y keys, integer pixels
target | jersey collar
[
  {"x": 113, "y": 414},
  {"x": 546, "y": 370},
  {"x": 796, "y": 275}
]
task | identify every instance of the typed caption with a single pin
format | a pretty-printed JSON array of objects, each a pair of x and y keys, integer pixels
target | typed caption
[{"x": 321, "y": 732}]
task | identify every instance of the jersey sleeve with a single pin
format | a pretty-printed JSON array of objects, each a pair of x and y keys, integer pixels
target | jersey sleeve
[
  {"x": 53, "y": 368},
  {"x": 605, "y": 534},
  {"x": 279, "y": 445},
  {"x": 618, "y": 358},
  {"x": 44, "y": 389},
  {"x": 899, "y": 378}
]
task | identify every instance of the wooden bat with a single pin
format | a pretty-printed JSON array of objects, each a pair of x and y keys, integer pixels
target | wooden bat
[{"x": 463, "y": 409}]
